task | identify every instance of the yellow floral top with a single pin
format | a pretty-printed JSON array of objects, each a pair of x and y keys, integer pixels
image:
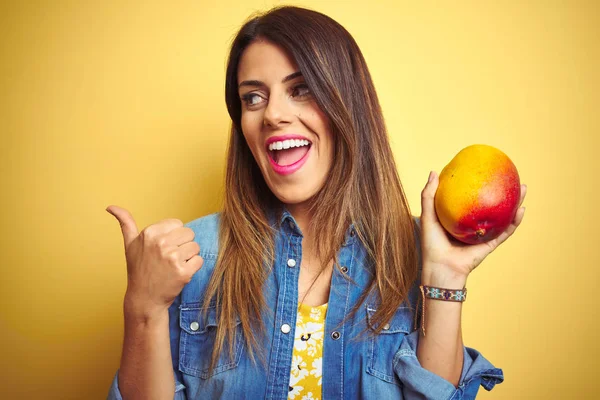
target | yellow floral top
[{"x": 305, "y": 376}]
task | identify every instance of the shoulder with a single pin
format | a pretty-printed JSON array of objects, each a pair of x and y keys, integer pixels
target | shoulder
[
  {"x": 206, "y": 234},
  {"x": 417, "y": 231},
  {"x": 417, "y": 221}
]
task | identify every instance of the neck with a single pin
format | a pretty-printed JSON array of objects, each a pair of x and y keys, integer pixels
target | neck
[{"x": 301, "y": 214}]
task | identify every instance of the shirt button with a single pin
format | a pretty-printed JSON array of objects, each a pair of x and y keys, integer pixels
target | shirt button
[
  {"x": 352, "y": 233},
  {"x": 335, "y": 335},
  {"x": 194, "y": 326},
  {"x": 285, "y": 328},
  {"x": 291, "y": 263},
  {"x": 386, "y": 327},
  {"x": 291, "y": 224},
  {"x": 344, "y": 269}
]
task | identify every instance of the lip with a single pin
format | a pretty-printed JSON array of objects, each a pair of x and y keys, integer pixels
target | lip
[{"x": 287, "y": 169}]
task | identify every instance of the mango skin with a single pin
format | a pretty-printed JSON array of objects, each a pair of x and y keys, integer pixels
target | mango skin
[{"x": 478, "y": 194}]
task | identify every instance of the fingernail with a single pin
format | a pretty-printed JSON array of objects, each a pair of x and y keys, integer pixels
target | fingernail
[{"x": 430, "y": 176}]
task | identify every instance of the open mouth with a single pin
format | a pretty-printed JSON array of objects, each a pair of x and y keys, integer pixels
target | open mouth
[
  {"x": 287, "y": 156},
  {"x": 288, "y": 152}
]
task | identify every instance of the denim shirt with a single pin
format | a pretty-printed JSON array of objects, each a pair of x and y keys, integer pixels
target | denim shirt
[{"x": 355, "y": 365}]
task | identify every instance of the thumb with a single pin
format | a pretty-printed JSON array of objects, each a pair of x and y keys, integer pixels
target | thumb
[
  {"x": 427, "y": 198},
  {"x": 128, "y": 225}
]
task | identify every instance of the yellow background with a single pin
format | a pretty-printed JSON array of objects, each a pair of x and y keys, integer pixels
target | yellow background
[{"x": 122, "y": 103}]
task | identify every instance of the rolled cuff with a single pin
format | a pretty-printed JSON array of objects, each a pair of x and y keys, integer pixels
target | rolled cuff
[
  {"x": 115, "y": 394},
  {"x": 420, "y": 383}
]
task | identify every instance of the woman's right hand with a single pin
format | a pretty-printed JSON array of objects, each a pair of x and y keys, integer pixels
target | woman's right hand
[{"x": 161, "y": 260}]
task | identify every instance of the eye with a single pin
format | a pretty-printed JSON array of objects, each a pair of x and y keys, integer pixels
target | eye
[
  {"x": 301, "y": 90},
  {"x": 251, "y": 99}
]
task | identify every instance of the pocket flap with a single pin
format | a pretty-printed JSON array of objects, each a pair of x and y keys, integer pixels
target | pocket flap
[
  {"x": 401, "y": 322},
  {"x": 194, "y": 321}
]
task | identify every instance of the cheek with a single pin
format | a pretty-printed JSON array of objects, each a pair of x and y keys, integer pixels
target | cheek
[
  {"x": 246, "y": 125},
  {"x": 250, "y": 129},
  {"x": 321, "y": 125}
]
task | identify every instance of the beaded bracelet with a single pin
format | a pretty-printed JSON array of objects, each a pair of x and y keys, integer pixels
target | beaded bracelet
[{"x": 435, "y": 293}]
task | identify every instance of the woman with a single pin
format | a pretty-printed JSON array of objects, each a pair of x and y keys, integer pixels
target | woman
[{"x": 307, "y": 284}]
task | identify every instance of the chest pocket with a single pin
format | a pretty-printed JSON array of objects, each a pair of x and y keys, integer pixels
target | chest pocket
[
  {"x": 197, "y": 340},
  {"x": 383, "y": 347}
]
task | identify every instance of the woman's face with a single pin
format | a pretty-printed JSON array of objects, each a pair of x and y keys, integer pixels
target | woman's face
[{"x": 286, "y": 131}]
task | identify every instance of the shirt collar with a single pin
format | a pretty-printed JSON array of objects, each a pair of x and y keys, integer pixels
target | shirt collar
[{"x": 285, "y": 220}]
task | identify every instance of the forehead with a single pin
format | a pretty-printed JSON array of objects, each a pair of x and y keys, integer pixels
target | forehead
[{"x": 265, "y": 61}]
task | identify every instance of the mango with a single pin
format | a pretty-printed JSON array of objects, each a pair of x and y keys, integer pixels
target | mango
[{"x": 478, "y": 194}]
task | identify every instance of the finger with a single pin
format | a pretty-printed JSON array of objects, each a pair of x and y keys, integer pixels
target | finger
[
  {"x": 188, "y": 250},
  {"x": 164, "y": 227},
  {"x": 510, "y": 230},
  {"x": 128, "y": 225},
  {"x": 523, "y": 193},
  {"x": 179, "y": 236},
  {"x": 194, "y": 263},
  {"x": 518, "y": 217},
  {"x": 427, "y": 197}
]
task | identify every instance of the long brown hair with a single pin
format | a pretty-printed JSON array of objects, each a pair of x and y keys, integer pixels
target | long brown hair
[{"x": 363, "y": 186}]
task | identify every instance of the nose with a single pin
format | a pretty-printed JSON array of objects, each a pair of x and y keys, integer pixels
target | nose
[{"x": 278, "y": 111}]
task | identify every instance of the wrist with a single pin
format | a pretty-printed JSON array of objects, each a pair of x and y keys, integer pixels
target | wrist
[
  {"x": 442, "y": 278},
  {"x": 140, "y": 312}
]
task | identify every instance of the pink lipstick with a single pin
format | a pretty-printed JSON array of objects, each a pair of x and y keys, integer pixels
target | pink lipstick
[{"x": 287, "y": 153}]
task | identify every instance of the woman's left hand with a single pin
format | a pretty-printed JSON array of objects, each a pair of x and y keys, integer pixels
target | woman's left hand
[{"x": 446, "y": 256}]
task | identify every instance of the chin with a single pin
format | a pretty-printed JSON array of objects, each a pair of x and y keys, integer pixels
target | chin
[
  {"x": 296, "y": 188},
  {"x": 293, "y": 198},
  {"x": 296, "y": 195}
]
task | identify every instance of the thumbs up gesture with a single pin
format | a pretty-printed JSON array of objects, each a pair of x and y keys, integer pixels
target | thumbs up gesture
[{"x": 161, "y": 260}]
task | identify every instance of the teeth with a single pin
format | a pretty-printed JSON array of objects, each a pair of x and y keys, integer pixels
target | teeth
[{"x": 286, "y": 144}]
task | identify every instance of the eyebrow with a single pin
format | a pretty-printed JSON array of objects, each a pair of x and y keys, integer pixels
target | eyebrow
[{"x": 260, "y": 83}]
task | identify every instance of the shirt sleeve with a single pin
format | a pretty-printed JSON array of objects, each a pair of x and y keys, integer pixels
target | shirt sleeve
[
  {"x": 115, "y": 394},
  {"x": 180, "y": 389},
  {"x": 420, "y": 383}
]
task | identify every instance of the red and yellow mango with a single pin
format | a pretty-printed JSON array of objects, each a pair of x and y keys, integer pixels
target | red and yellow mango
[{"x": 478, "y": 194}]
